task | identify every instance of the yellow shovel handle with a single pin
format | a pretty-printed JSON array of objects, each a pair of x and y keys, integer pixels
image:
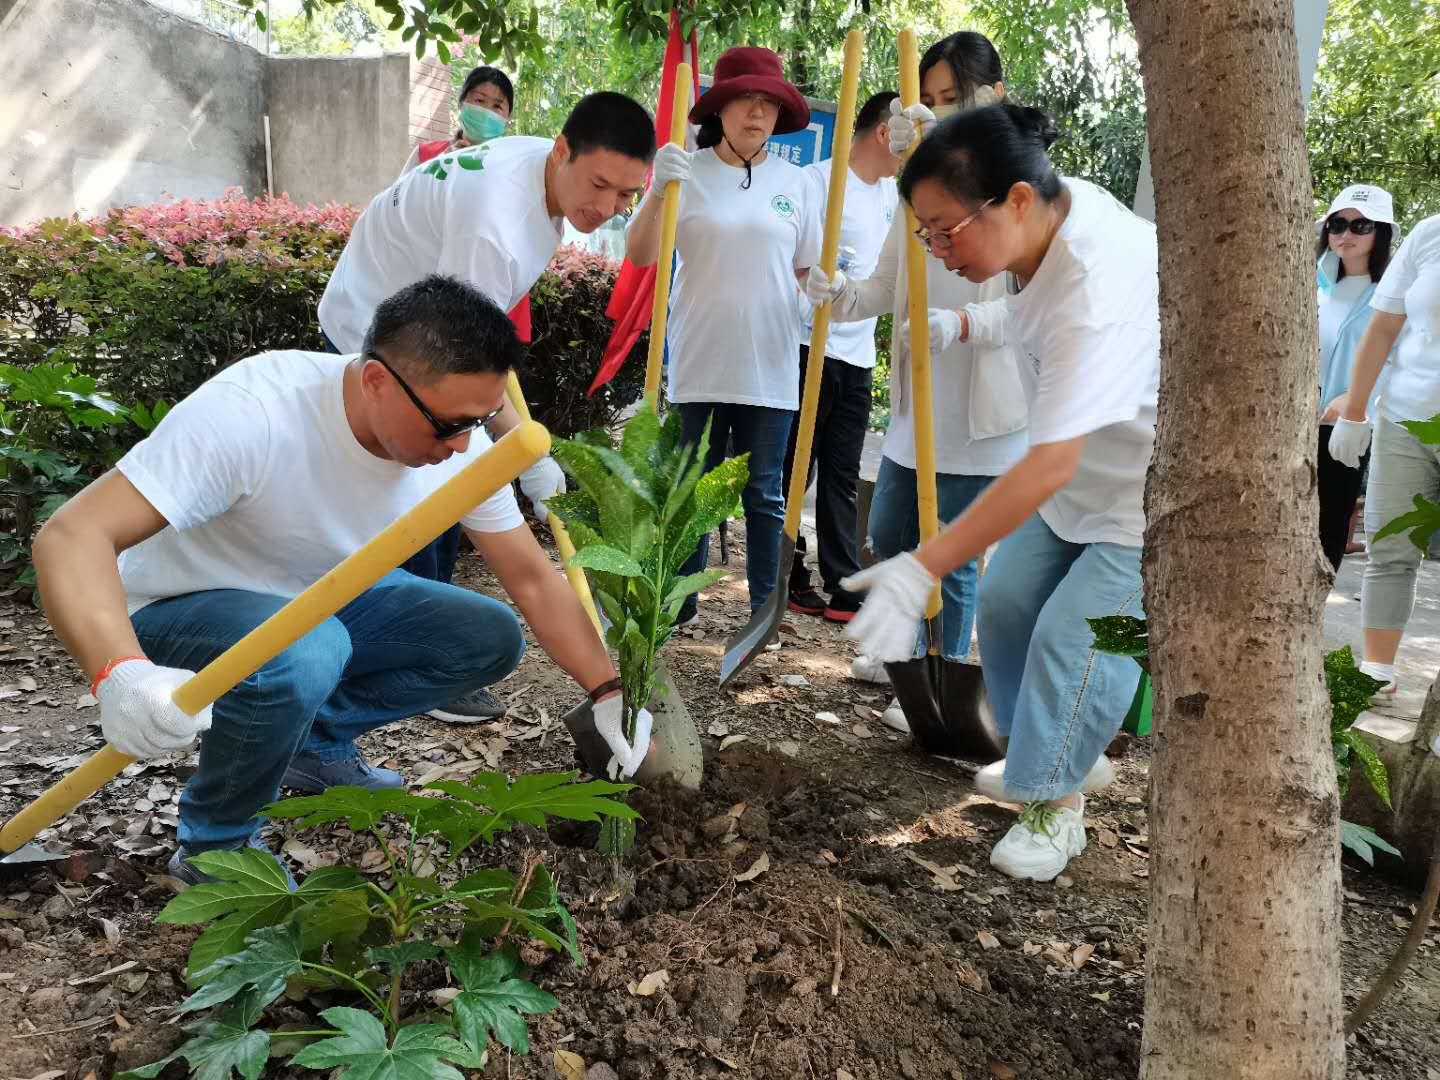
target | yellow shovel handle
[
  {"x": 669, "y": 218},
  {"x": 499, "y": 465},
  {"x": 829, "y": 252},
  {"x": 563, "y": 544},
  {"x": 922, "y": 395}
]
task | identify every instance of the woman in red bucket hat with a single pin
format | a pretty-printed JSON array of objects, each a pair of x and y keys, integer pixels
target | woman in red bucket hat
[{"x": 749, "y": 224}]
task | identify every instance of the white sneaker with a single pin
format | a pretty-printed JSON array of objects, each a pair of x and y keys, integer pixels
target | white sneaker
[
  {"x": 894, "y": 718},
  {"x": 990, "y": 781},
  {"x": 868, "y": 669},
  {"x": 1384, "y": 698},
  {"x": 1040, "y": 845}
]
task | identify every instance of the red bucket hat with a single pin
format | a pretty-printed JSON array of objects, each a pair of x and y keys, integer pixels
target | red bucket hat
[{"x": 751, "y": 70}]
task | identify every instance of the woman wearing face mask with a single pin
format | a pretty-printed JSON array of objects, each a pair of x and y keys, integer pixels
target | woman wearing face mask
[
  {"x": 749, "y": 222},
  {"x": 1406, "y": 319},
  {"x": 978, "y": 400},
  {"x": 487, "y": 99},
  {"x": 1352, "y": 253},
  {"x": 1082, "y": 311}
]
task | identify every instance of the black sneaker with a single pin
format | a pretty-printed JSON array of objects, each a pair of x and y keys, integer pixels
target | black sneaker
[
  {"x": 474, "y": 708},
  {"x": 806, "y": 602},
  {"x": 843, "y": 605}
]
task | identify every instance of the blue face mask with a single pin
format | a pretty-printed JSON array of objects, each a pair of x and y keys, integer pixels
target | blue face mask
[{"x": 480, "y": 124}]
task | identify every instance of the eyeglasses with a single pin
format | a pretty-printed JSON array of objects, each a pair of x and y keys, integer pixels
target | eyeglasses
[
  {"x": 944, "y": 237},
  {"x": 1337, "y": 225},
  {"x": 444, "y": 432}
]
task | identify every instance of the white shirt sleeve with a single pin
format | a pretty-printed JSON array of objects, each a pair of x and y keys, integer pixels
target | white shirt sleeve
[
  {"x": 875, "y": 295},
  {"x": 499, "y": 513},
  {"x": 812, "y": 227},
  {"x": 208, "y": 452},
  {"x": 988, "y": 322},
  {"x": 1082, "y": 384},
  {"x": 1420, "y": 246}
]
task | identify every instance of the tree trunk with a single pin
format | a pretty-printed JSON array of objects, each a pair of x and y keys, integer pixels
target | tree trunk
[{"x": 1243, "y": 968}]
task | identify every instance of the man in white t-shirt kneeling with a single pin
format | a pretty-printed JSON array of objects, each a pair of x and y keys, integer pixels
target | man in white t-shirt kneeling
[{"x": 250, "y": 490}]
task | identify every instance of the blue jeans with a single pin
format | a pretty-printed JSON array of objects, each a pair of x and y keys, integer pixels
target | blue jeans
[
  {"x": 895, "y": 528},
  {"x": 402, "y": 647},
  {"x": 1058, "y": 700},
  {"x": 763, "y": 432}
]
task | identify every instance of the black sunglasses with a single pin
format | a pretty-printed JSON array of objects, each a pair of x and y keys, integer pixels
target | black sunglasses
[
  {"x": 443, "y": 431},
  {"x": 1337, "y": 225}
]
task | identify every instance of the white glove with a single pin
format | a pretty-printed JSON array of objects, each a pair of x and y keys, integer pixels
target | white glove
[
  {"x": 821, "y": 290},
  {"x": 609, "y": 721},
  {"x": 137, "y": 715},
  {"x": 672, "y": 162},
  {"x": 541, "y": 481},
  {"x": 1349, "y": 440},
  {"x": 945, "y": 329},
  {"x": 899, "y": 589},
  {"x": 905, "y": 123}
]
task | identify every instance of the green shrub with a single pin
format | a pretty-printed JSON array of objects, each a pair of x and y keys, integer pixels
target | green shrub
[{"x": 150, "y": 301}]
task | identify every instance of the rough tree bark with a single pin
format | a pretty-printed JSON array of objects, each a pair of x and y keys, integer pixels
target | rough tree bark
[{"x": 1243, "y": 978}]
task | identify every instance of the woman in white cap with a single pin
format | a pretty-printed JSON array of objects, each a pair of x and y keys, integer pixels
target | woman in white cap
[
  {"x": 749, "y": 224},
  {"x": 1406, "y": 317},
  {"x": 979, "y": 402},
  {"x": 1357, "y": 236}
]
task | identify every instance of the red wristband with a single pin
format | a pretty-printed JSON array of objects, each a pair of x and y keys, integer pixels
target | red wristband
[{"x": 107, "y": 669}]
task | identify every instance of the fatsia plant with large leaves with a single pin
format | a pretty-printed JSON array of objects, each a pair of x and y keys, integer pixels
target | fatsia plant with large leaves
[
  {"x": 640, "y": 510},
  {"x": 362, "y": 934}
]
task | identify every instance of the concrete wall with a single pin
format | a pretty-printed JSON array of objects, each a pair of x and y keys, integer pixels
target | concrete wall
[
  {"x": 109, "y": 102},
  {"x": 339, "y": 126},
  {"x": 104, "y": 102}
]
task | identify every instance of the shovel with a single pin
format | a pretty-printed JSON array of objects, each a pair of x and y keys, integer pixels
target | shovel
[
  {"x": 665, "y": 263},
  {"x": 943, "y": 700},
  {"x": 764, "y": 624},
  {"x": 498, "y": 466}
]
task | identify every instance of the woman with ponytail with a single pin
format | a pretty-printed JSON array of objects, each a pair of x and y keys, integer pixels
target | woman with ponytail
[
  {"x": 1082, "y": 311},
  {"x": 749, "y": 223},
  {"x": 979, "y": 403}
]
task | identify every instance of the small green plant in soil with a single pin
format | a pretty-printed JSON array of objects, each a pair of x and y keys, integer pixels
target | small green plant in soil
[
  {"x": 1350, "y": 690},
  {"x": 639, "y": 511},
  {"x": 418, "y": 918}
]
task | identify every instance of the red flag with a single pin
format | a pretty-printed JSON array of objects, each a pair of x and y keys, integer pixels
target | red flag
[{"x": 633, "y": 298}]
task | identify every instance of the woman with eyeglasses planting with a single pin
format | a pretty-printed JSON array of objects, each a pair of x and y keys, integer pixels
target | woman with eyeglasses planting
[
  {"x": 1406, "y": 319},
  {"x": 1353, "y": 250},
  {"x": 749, "y": 223},
  {"x": 979, "y": 404},
  {"x": 1082, "y": 312}
]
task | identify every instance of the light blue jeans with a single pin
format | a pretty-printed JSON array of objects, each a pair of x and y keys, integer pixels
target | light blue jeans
[
  {"x": 1058, "y": 700},
  {"x": 895, "y": 527},
  {"x": 402, "y": 647},
  {"x": 1401, "y": 467}
]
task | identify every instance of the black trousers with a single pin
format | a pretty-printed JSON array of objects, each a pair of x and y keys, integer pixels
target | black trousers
[
  {"x": 436, "y": 560},
  {"x": 1339, "y": 489},
  {"x": 841, "y": 421}
]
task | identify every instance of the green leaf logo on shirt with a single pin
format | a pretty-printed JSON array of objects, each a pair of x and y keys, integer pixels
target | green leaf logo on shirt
[
  {"x": 782, "y": 205},
  {"x": 471, "y": 158}
]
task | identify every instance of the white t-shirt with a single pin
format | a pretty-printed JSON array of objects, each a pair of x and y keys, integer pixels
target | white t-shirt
[
  {"x": 974, "y": 384},
  {"x": 477, "y": 214},
  {"x": 1411, "y": 287},
  {"x": 864, "y": 221},
  {"x": 734, "y": 334},
  {"x": 265, "y": 487},
  {"x": 1087, "y": 330}
]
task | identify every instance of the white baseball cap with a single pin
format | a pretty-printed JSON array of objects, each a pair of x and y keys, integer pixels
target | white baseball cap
[{"x": 1373, "y": 202}]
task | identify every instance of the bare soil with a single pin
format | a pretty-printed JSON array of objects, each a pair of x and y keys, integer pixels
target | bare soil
[{"x": 878, "y": 943}]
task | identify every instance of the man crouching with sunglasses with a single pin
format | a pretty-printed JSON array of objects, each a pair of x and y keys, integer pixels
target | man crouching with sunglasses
[{"x": 251, "y": 489}]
